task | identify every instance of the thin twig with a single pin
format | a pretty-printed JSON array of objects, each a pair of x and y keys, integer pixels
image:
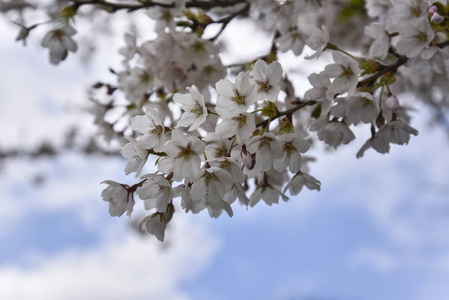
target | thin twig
[{"x": 287, "y": 112}]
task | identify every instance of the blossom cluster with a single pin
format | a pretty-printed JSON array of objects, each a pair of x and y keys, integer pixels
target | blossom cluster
[{"x": 209, "y": 139}]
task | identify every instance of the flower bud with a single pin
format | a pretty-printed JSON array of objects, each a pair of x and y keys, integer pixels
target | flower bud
[
  {"x": 433, "y": 9},
  {"x": 437, "y": 18},
  {"x": 392, "y": 103}
]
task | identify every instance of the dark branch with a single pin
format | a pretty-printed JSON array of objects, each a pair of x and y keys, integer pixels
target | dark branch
[
  {"x": 226, "y": 20},
  {"x": 287, "y": 112},
  {"x": 136, "y": 6}
]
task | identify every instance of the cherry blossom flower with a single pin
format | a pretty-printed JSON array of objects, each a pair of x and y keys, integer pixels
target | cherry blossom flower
[
  {"x": 196, "y": 51},
  {"x": 335, "y": 134},
  {"x": 231, "y": 166},
  {"x": 194, "y": 106},
  {"x": 152, "y": 128},
  {"x": 292, "y": 147},
  {"x": 183, "y": 156},
  {"x": 155, "y": 224},
  {"x": 186, "y": 200},
  {"x": 267, "y": 79},
  {"x": 210, "y": 188},
  {"x": 156, "y": 192},
  {"x": 346, "y": 73},
  {"x": 235, "y": 98},
  {"x": 415, "y": 37},
  {"x": 318, "y": 41},
  {"x": 135, "y": 82},
  {"x": 292, "y": 40},
  {"x": 236, "y": 191},
  {"x": 396, "y": 132},
  {"x": 379, "y": 9},
  {"x": 299, "y": 181},
  {"x": 431, "y": 59},
  {"x": 217, "y": 146},
  {"x": 379, "y": 47},
  {"x": 268, "y": 194},
  {"x": 361, "y": 108},
  {"x": 120, "y": 200},
  {"x": 59, "y": 41},
  {"x": 165, "y": 17},
  {"x": 130, "y": 49},
  {"x": 267, "y": 148},
  {"x": 409, "y": 10},
  {"x": 136, "y": 155},
  {"x": 241, "y": 125},
  {"x": 318, "y": 92}
]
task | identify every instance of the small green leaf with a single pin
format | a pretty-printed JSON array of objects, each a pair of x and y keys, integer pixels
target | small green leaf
[
  {"x": 317, "y": 111},
  {"x": 270, "y": 110}
]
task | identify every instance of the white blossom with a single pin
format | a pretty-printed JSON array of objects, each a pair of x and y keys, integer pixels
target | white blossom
[
  {"x": 155, "y": 224},
  {"x": 136, "y": 155},
  {"x": 299, "y": 181},
  {"x": 156, "y": 192},
  {"x": 379, "y": 47},
  {"x": 406, "y": 11},
  {"x": 335, "y": 134},
  {"x": 120, "y": 200},
  {"x": 292, "y": 40},
  {"x": 165, "y": 17},
  {"x": 241, "y": 125},
  {"x": 415, "y": 36},
  {"x": 130, "y": 49},
  {"x": 135, "y": 82},
  {"x": 194, "y": 106},
  {"x": 268, "y": 194},
  {"x": 318, "y": 41},
  {"x": 320, "y": 83},
  {"x": 292, "y": 147},
  {"x": 152, "y": 128},
  {"x": 361, "y": 107},
  {"x": 183, "y": 156},
  {"x": 267, "y": 148},
  {"x": 59, "y": 41},
  {"x": 235, "y": 98},
  {"x": 267, "y": 78},
  {"x": 396, "y": 132},
  {"x": 236, "y": 191},
  {"x": 345, "y": 72}
]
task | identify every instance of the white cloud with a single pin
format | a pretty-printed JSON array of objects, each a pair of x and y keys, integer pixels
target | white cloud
[
  {"x": 377, "y": 259},
  {"x": 125, "y": 266}
]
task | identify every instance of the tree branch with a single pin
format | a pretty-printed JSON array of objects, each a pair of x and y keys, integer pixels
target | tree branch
[
  {"x": 136, "y": 6},
  {"x": 226, "y": 20},
  {"x": 287, "y": 112}
]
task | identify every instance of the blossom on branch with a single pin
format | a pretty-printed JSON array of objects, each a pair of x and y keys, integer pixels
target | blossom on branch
[{"x": 59, "y": 41}]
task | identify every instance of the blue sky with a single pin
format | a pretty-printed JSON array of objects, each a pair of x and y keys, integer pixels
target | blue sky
[{"x": 377, "y": 230}]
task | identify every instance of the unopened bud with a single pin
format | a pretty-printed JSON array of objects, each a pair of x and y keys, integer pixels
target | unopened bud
[
  {"x": 437, "y": 18},
  {"x": 247, "y": 158},
  {"x": 433, "y": 9},
  {"x": 392, "y": 103}
]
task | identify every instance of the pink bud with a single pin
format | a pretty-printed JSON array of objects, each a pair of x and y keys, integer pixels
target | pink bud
[
  {"x": 433, "y": 9},
  {"x": 437, "y": 18},
  {"x": 392, "y": 103},
  {"x": 247, "y": 158}
]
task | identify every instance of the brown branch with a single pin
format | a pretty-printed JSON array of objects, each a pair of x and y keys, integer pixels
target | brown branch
[
  {"x": 393, "y": 68},
  {"x": 136, "y": 6},
  {"x": 118, "y": 6},
  {"x": 226, "y": 20},
  {"x": 385, "y": 69},
  {"x": 287, "y": 112}
]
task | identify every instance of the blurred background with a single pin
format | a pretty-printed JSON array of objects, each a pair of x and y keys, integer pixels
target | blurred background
[{"x": 377, "y": 230}]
